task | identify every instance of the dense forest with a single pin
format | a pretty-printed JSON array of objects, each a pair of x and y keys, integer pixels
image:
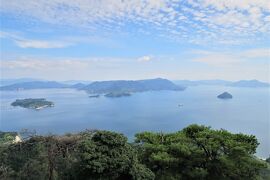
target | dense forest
[{"x": 195, "y": 152}]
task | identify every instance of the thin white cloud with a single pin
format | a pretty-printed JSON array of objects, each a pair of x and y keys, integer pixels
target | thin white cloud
[
  {"x": 63, "y": 63},
  {"x": 196, "y": 21},
  {"x": 145, "y": 58},
  {"x": 61, "y": 42},
  {"x": 215, "y": 59},
  {"x": 27, "y": 43},
  {"x": 231, "y": 58},
  {"x": 44, "y": 64},
  {"x": 61, "y": 67},
  {"x": 257, "y": 53},
  {"x": 30, "y": 43}
]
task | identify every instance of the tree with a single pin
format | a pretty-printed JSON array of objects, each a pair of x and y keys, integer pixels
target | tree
[
  {"x": 198, "y": 152},
  {"x": 107, "y": 155},
  {"x": 268, "y": 160},
  {"x": 38, "y": 157}
]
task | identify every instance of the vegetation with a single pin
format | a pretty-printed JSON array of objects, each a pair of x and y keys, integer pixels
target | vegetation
[
  {"x": 117, "y": 94},
  {"x": 7, "y": 137},
  {"x": 32, "y": 103},
  {"x": 196, "y": 152},
  {"x": 94, "y": 96},
  {"x": 119, "y": 86},
  {"x": 225, "y": 95}
]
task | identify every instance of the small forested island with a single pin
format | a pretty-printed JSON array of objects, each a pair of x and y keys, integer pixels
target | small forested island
[
  {"x": 117, "y": 94},
  {"x": 94, "y": 96},
  {"x": 195, "y": 152},
  {"x": 225, "y": 95},
  {"x": 38, "y": 103}
]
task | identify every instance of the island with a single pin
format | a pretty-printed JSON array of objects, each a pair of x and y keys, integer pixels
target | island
[
  {"x": 225, "y": 95},
  {"x": 117, "y": 94},
  {"x": 94, "y": 96},
  {"x": 38, "y": 103},
  {"x": 132, "y": 86},
  {"x": 250, "y": 84}
]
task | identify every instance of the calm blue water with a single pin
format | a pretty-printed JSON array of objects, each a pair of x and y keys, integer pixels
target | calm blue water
[{"x": 248, "y": 112}]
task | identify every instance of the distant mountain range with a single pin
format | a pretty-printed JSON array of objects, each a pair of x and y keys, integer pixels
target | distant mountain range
[
  {"x": 202, "y": 82},
  {"x": 249, "y": 83},
  {"x": 101, "y": 86},
  {"x": 73, "y": 82},
  {"x": 125, "y": 85},
  {"x": 34, "y": 85},
  {"x": 6, "y": 82},
  {"x": 241, "y": 83}
]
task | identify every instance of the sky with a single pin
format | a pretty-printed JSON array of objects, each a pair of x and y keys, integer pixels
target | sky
[{"x": 135, "y": 39}]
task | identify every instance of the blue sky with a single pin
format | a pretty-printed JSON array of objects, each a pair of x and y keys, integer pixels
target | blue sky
[{"x": 135, "y": 39}]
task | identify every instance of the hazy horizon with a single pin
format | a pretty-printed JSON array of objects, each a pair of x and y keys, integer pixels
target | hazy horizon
[{"x": 92, "y": 80}]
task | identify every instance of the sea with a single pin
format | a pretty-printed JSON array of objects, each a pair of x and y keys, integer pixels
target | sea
[{"x": 158, "y": 111}]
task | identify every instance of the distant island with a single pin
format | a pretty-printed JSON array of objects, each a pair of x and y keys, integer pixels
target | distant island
[
  {"x": 214, "y": 82},
  {"x": 249, "y": 83},
  {"x": 117, "y": 94},
  {"x": 120, "y": 86},
  {"x": 99, "y": 87},
  {"x": 217, "y": 82},
  {"x": 34, "y": 85},
  {"x": 102, "y": 87},
  {"x": 77, "y": 86},
  {"x": 30, "y": 103},
  {"x": 225, "y": 95}
]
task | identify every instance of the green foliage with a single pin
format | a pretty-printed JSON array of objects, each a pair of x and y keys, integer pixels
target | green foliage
[
  {"x": 107, "y": 155},
  {"x": 196, "y": 152},
  {"x": 32, "y": 103},
  {"x": 268, "y": 160},
  {"x": 7, "y": 137}
]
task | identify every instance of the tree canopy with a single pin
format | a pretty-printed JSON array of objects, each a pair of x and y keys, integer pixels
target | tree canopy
[
  {"x": 199, "y": 152},
  {"x": 195, "y": 152}
]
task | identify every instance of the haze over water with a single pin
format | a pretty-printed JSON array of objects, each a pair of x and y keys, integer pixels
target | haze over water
[{"x": 247, "y": 112}]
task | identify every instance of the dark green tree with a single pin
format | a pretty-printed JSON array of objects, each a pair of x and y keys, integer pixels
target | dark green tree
[
  {"x": 198, "y": 152},
  {"x": 268, "y": 160},
  {"x": 107, "y": 155}
]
